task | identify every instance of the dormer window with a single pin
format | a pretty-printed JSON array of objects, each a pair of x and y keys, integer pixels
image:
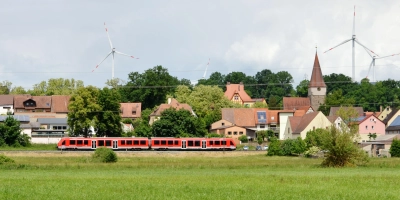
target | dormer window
[{"x": 223, "y": 124}]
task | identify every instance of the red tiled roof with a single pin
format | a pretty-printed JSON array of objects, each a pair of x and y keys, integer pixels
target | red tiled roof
[
  {"x": 317, "y": 80},
  {"x": 173, "y": 104},
  {"x": 131, "y": 110},
  {"x": 6, "y": 99},
  {"x": 247, "y": 117},
  {"x": 298, "y": 103},
  {"x": 232, "y": 89},
  {"x": 59, "y": 103},
  {"x": 41, "y": 101}
]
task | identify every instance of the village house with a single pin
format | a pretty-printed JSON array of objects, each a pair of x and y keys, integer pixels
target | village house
[
  {"x": 298, "y": 126},
  {"x": 237, "y": 94},
  {"x": 172, "y": 103}
]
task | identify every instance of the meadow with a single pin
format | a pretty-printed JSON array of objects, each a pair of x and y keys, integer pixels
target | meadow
[{"x": 193, "y": 175}]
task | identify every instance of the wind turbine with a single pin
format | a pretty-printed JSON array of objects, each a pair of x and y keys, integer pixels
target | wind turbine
[
  {"x": 204, "y": 76},
  {"x": 372, "y": 65},
  {"x": 354, "y": 40},
  {"x": 112, "y": 52}
]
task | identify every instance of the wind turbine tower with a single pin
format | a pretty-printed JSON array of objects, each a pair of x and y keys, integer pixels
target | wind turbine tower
[
  {"x": 112, "y": 52},
  {"x": 372, "y": 65}
]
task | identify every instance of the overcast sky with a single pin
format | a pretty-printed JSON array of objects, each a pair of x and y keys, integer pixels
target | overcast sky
[{"x": 42, "y": 39}]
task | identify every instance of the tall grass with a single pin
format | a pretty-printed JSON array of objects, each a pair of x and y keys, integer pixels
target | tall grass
[{"x": 172, "y": 176}]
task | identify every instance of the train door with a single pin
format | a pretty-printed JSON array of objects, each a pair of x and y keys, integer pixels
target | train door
[
  {"x": 93, "y": 144},
  {"x": 183, "y": 144},
  {"x": 203, "y": 144},
  {"x": 115, "y": 144}
]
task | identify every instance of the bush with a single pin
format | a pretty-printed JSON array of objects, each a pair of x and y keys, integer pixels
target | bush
[
  {"x": 214, "y": 135},
  {"x": 105, "y": 155},
  {"x": 395, "y": 148},
  {"x": 5, "y": 159},
  {"x": 312, "y": 151},
  {"x": 274, "y": 148},
  {"x": 243, "y": 139}
]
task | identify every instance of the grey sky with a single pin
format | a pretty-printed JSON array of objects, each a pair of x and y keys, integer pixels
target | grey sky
[{"x": 66, "y": 39}]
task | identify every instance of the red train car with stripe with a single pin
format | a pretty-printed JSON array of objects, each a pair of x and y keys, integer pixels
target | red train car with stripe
[{"x": 157, "y": 143}]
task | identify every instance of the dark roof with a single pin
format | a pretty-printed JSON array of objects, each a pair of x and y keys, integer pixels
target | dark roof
[
  {"x": 390, "y": 115},
  {"x": 21, "y": 118},
  {"x": 52, "y": 120},
  {"x": 6, "y": 99},
  {"x": 334, "y": 110},
  {"x": 317, "y": 80},
  {"x": 303, "y": 122}
]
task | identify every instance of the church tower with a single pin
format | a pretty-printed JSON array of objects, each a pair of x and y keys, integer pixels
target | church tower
[{"x": 317, "y": 87}]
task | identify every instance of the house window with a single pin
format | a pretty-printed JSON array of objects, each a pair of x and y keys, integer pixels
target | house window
[
  {"x": 241, "y": 133},
  {"x": 272, "y": 118},
  {"x": 313, "y": 128},
  {"x": 223, "y": 124},
  {"x": 338, "y": 123},
  {"x": 262, "y": 126},
  {"x": 288, "y": 130},
  {"x": 236, "y": 98},
  {"x": 235, "y": 133},
  {"x": 366, "y": 127},
  {"x": 372, "y": 127},
  {"x": 229, "y": 133}
]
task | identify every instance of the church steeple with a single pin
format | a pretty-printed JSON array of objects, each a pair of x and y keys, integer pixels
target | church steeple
[
  {"x": 317, "y": 86},
  {"x": 317, "y": 80}
]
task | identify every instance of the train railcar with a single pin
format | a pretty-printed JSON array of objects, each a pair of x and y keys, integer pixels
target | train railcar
[
  {"x": 128, "y": 143},
  {"x": 192, "y": 144},
  {"x": 120, "y": 143}
]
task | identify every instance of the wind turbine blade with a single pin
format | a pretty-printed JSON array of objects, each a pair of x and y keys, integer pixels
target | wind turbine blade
[
  {"x": 102, "y": 61},
  {"x": 369, "y": 53},
  {"x": 338, "y": 45},
  {"x": 388, "y": 56},
  {"x": 204, "y": 76},
  {"x": 370, "y": 66},
  {"x": 125, "y": 54},
  {"x": 365, "y": 47},
  {"x": 108, "y": 35}
]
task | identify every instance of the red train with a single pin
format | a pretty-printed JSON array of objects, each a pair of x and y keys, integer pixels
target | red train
[{"x": 133, "y": 143}]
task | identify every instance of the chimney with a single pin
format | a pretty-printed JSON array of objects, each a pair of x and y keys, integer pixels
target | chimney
[
  {"x": 228, "y": 83},
  {"x": 169, "y": 100}
]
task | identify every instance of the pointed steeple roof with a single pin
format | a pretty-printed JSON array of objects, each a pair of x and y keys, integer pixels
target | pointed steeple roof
[{"x": 317, "y": 80}]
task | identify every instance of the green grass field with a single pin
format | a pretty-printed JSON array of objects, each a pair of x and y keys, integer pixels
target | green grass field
[{"x": 209, "y": 175}]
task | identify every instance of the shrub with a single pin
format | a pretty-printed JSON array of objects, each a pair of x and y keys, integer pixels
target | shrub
[
  {"x": 213, "y": 135},
  {"x": 274, "y": 148},
  {"x": 260, "y": 140},
  {"x": 5, "y": 159},
  {"x": 395, "y": 148},
  {"x": 312, "y": 151},
  {"x": 105, "y": 155},
  {"x": 342, "y": 150},
  {"x": 243, "y": 139}
]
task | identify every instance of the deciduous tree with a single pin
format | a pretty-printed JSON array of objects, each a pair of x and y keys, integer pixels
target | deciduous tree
[{"x": 108, "y": 119}]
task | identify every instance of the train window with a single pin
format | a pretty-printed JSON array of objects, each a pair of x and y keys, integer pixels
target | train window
[
  {"x": 63, "y": 143},
  {"x": 197, "y": 143},
  {"x": 157, "y": 142},
  {"x": 108, "y": 142},
  {"x": 122, "y": 142},
  {"x": 224, "y": 142},
  {"x": 163, "y": 142},
  {"x": 129, "y": 142},
  {"x": 190, "y": 143},
  {"x": 176, "y": 142},
  {"x": 72, "y": 142},
  {"x": 142, "y": 142},
  {"x": 170, "y": 142},
  {"x": 217, "y": 143},
  {"x": 211, "y": 142},
  {"x": 80, "y": 142},
  {"x": 136, "y": 142},
  {"x": 101, "y": 143},
  {"x": 86, "y": 142}
]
